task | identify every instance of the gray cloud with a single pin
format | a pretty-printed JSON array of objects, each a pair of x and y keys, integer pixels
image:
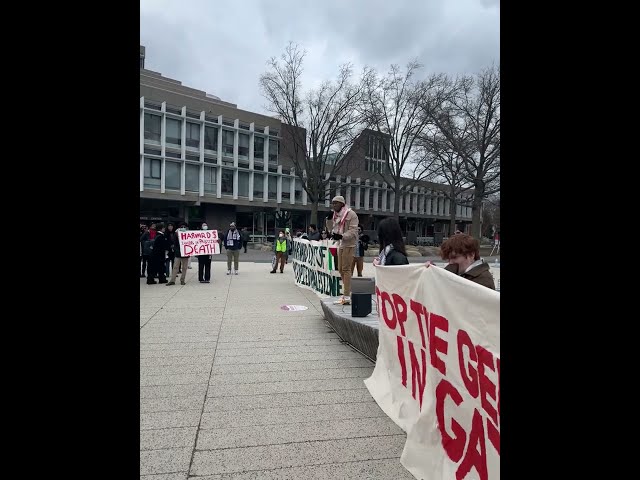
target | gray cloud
[{"x": 223, "y": 47}]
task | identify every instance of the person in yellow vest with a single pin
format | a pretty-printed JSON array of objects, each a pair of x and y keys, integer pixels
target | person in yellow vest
[{"x": 281, "y": 247}]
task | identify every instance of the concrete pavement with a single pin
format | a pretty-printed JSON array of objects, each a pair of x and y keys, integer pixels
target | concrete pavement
[{"x": 231, "y": 386}]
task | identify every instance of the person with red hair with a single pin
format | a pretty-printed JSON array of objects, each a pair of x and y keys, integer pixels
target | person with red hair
[{"x": 462, "y": 251}]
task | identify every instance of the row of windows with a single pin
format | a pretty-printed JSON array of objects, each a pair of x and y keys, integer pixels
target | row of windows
[
  {"x": 375, "y": 148},
  {"x": 152, "y": 178},
  {"x": 173, "y": 137}
]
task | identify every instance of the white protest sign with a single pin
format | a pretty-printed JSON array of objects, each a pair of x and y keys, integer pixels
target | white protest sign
[
  {"x": 437, "y": 373},
  {"x": 314, "y": 266},
  {"x": 198, "y": 242}
]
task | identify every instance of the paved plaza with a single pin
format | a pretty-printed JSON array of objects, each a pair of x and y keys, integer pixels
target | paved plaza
[{"x": 232, "y": 386}]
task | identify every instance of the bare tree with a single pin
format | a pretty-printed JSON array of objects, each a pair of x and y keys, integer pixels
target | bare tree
[
  {"x": 447, "y": 167},
  {"x": 470, "y": 122},
  {"x": 322, "y": 125},
  {"x": 394, "y": 108}
]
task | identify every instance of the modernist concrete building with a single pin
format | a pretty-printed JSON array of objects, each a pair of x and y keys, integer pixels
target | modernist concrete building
[{"x": 205, "y": 159}]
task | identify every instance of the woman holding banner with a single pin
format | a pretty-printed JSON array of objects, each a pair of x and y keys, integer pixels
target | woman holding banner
[{"x": 392, "y": 250}]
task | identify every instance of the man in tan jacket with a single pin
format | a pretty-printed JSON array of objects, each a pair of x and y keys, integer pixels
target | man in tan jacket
[{"x": 343, "y": 226}]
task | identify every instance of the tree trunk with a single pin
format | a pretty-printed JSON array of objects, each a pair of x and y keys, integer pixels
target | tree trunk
[
  {"x": 314, "y": 216},
  {"x": 396, "y": 201},
  {"x": 476, "y": 209}
]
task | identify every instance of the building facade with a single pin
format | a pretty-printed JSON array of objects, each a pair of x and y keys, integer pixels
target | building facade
[{"x": 204, "y": 159}]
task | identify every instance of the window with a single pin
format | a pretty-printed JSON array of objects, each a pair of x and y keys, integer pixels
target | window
[
  {"x": 193, "y": 158},
  {"x": 371, "y": 198},
  {"x": 227, "y": 181},
  {"x": 211, "y": 139},
  {"x": 192, "y": 178},
  {"x": 298, "y": 190},
  {"x": 258, "y": 147},
  {"x": 174, "y": 131},
  {"x": 193, "y": 135},
  {"x": 273, "y": 151},
  {"x": 152, "y": 151},
  {"x": 258, "y": 186},
  {"x": 273, "y": 187},
  {"x": 210, "y": 160},
  {"x": 151, "y": 173},
  {"x": 362, "y": 194},
  {"x": 380, "y": 199},
  {"x": 243, "y": 184},
  {"x": 353, "y": 197},
  {"x": 152, "y": 128},
  {"x": 210, "y": 179},
  {"x": 243, "y": 145},
  {"x": 227, "y": 142},
  {"x": 172, "y": 175},
  {"x": 286, "y": 188},
  {"x": 171, "y": 154}
]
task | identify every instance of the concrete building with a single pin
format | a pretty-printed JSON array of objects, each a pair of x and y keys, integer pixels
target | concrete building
[{"x": 205, "y": 159}]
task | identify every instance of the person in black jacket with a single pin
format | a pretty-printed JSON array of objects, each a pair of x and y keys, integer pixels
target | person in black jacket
[
  {"x": 172, "y": 240},
  {"x": 204, "y": 264},
  {"x": 392, "y": 250},
  {"x": 158, "y": 257}
]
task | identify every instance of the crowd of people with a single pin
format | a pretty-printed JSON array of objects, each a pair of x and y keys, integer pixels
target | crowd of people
[{"x": 160, "y": 255}]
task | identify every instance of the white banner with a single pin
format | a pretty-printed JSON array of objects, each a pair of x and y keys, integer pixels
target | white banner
[
  {"x": 198, "y": 242},
  {"x": 437, "y": 372},
  {"x": 314, "y": 266}
]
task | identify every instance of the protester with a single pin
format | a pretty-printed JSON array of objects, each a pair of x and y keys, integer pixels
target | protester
[
  {"x": 158, "y": 257},
  {"x": 244, "y": 234},
  {"x": 462, "y": 251},
  {"x": 280, "y": 247},
  {"x": 358, "y": 256},
  {"x": 172, "y": 240},
  {"x": 343, "y": 225},
  {"x": 314, "y": 234},
  {"x": 233, "y": 243},
  {"x": 180, "y": 262},
  {"x": 204, "y": 264},
  {"x": 144, "y": 256},
  {"x": 392, "y": 249}
]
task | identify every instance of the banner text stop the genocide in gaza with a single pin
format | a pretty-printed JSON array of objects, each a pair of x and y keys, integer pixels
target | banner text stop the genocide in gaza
[{"x": 312, "y": 267}]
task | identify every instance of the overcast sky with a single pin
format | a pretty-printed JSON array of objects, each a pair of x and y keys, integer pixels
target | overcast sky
[{"x": 222, "y": 46}]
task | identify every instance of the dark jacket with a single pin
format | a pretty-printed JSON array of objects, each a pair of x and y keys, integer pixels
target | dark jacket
[
  {"x": 314, "y": 236},
  {"x": 147, "y": 243},
  {"x": 479, "y": 274},
  {"x": 174, "y": 246},
  {"x": 396, "y": 258},
  {"x": 160, "y": 245},
  {"x": 245, "y": 236},
  {"x": 237, "y": 244}
]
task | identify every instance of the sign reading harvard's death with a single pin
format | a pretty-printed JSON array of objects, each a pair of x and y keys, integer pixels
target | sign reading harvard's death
[
  {"x": 314, "y": 267},
  {"x": 198, "y": 242},
  {"x": 437, "y": 372}
]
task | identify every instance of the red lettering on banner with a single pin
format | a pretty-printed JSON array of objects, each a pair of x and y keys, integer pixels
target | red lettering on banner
[
  {"x": 403, "y": 364},
  {"x": 420, "y": 310},
  {"x": 401, "y": 313},
  {"x": 485, "y": 359},
  {"x": 473, "y": 457},
  {"x": 453, "y": 446},
  {"x": 437, "y": 344},
  {"x": 391, "y": 322},
  {"x": 418, "y": 373},
  {"x": 469, "y": 375}
]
